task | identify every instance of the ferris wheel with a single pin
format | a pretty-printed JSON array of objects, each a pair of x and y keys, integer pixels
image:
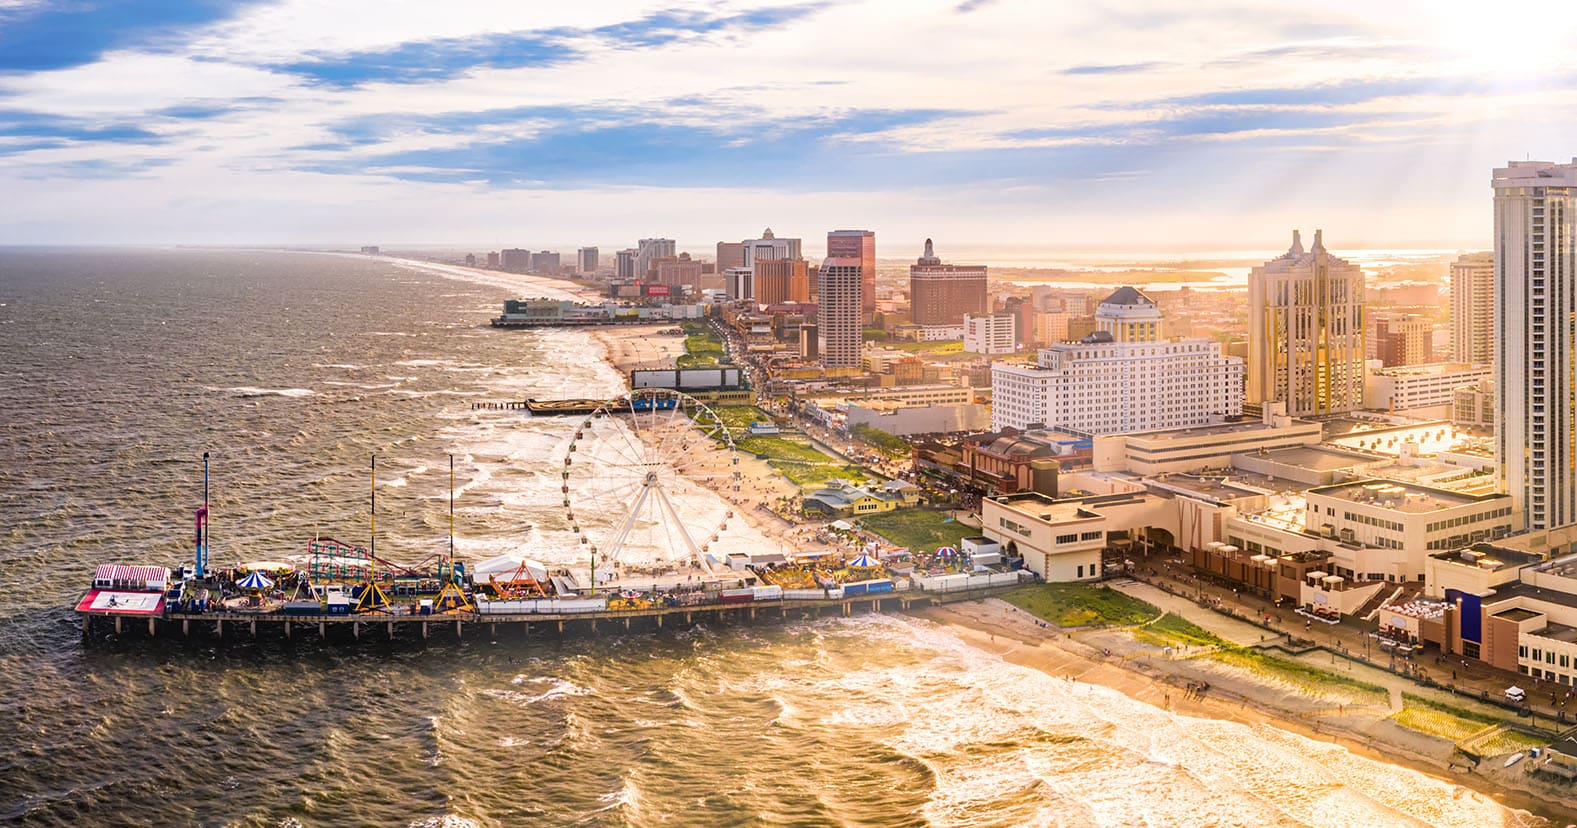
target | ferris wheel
[{"x": 636, "y": 476}]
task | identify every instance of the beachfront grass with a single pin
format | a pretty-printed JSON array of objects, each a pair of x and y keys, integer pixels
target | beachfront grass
[
  {"x": 1438, "y": 719},
  {"x": 1503, "y": 741},
  {"x": 811, "y": 476},
  {"x": 1312, "y": 680},
  {"x": 1082, "y": 605},
  {"x": 781, "y": 448},
  {"x": 1172, "y": 630},
  {"x": 702, "y": 348},
  {"x": 916, "y": 528},
  {"x": 739, "y": 417}
]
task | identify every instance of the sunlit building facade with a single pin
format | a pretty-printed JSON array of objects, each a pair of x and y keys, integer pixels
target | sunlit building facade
[
  {"x": 1535, "y": 327},
  {"x": 859, "y": 245},
  {"x": 1473, "y": 308},
  {"x": 839, "y": 320},
  {"x": 942, "y": 294},
  {"x": 1306, "y": 331}
]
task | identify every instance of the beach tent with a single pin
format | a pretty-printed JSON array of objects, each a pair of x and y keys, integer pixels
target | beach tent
[
  {"x": 863, "y": 562},
  {"x": 946, "y": 552},
  {"x": 507, "y": 565},
  {"x": 255, "y": 581}
]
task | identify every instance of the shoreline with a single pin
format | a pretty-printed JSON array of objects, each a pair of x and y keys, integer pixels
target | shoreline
[{"x": 997, "y": 627}]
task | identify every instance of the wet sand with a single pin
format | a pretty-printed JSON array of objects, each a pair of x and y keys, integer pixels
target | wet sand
[{"x": 998, "y": 627}]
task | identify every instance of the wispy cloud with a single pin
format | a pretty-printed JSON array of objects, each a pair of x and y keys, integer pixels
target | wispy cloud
[{"x": 1114, "y": 68}]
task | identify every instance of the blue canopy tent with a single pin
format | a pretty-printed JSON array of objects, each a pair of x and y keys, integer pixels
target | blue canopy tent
[
  {"x": 256, "y": 580},
  {"x": 864, "y": 562}
]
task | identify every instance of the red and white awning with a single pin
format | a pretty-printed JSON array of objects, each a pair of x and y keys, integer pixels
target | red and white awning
[{"x": 119, "y": 573}]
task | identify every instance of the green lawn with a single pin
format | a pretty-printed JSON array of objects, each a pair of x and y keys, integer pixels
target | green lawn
[
  {"x": 782, "y": 448},
  {"x": 916, "y": 528},
  {"x": 702, "y": 347},
  {"x": 811, "y": 476},
  {"x": 1081, "y": 605},
  {"x": 1173, "y": 630},
  {"x": 739, "y": 417}
]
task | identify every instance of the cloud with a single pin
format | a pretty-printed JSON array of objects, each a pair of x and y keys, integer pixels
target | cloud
[
  {"x": 42, "y": 36},
  {"x": 1113, "y": 68},
  {"x": 440, "y": 58}
]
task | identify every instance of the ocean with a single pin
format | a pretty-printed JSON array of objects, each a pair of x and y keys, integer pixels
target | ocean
[{"x": 121, "y": 367}]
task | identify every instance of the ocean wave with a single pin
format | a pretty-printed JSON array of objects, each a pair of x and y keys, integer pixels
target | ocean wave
[{"x": 248, "y": 391}]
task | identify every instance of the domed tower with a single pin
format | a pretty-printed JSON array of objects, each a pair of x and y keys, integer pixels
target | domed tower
[{"x": 1129, "y": 316}]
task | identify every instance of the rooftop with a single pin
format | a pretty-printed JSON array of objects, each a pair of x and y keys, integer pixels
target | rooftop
[
  {"x": 1400, "y": 497},
  {"x": 1215, "y": 488},
  {"x": 1220, "y": 429},
  {"x": 1517, "y": 614},
  {"x": 1558, "y": 632},
  {"x": 1486, "y": 556},
  {"x": 1317, "y": 458}
]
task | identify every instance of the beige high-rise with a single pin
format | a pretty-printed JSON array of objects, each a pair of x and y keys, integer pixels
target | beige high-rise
[
  {"x": 1306, "y": 337},
  {"x": 1473, "y": 308}
]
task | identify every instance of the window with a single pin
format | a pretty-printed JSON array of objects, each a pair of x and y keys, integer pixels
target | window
[
  {"x": 1091, "y": 535},
  {"x": 1081, "y": 571},
  {"x": 1067, "y": 538}
]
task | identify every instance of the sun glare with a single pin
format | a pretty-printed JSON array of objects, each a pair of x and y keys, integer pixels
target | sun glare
[{"x": 1506, "y": 39}]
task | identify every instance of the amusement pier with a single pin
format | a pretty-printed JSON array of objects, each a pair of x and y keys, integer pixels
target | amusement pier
[{"x": 624, "y": 471}]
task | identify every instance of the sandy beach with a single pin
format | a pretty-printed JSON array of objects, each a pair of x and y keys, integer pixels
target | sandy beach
[{"x": 1108, "y": 657}]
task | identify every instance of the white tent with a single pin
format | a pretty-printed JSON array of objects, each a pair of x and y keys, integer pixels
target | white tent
[
  {"x": 863, "y": 561},
  {"x": 505, "y": 567}
]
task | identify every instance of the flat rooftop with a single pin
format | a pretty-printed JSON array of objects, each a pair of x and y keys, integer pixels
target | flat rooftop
[
  {"x": 1517, "y": 614},
  {"x": 1559, "y": 632},
  {"x": 1395, "y": 495},
  {"x": 1217, "y": 488},
  {"x": 1486, "y": 556},
  {"x": 1317, "y": 458},
  {"x": 1218, "y": 430},
  {"x": 1430, "y": 437}
]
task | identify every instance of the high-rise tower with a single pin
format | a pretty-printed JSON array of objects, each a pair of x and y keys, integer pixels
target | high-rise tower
[
  {"x": 1473, "y": 308},
  {"x": 839, "y": 321},
  {"x": 1535, "y": 328},
  {"x": 1306, "y": 338},
  {"x": 861, "y": 246},
  {"x": 942, "y": 294}
]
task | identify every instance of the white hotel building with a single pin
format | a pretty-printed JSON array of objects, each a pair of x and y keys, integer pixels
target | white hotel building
[{"x": 1123, "y": 378}]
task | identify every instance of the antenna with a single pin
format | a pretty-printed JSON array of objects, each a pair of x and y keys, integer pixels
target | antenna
[
  {"x": 372, "y": 553},
  {"x": 451, "y": 514}
]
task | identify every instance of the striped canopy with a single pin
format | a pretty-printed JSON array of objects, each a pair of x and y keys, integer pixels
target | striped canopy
[
  {"x": 946, "y": 551},
  {"x": 119, "y": 572},
  {"x": 256, "y": 580},
  {"x": 863, "y": 561}
]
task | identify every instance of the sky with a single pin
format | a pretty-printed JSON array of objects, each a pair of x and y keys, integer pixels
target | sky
[{"x": 1120, "y": 126}]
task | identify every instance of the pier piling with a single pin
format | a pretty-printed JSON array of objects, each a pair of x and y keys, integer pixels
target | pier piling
[
  {"x": 355, "y": 630},
  {"x": 254, "y": 628},
  {"x": 391, "y": 630},
  {"x": 424, "y": 630},
  {"x": 322, "y": 630},
  {"x": 186, "y": 627},
  {"x": 457, "y": 628},
  {"x": 287, "y": 630}
]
